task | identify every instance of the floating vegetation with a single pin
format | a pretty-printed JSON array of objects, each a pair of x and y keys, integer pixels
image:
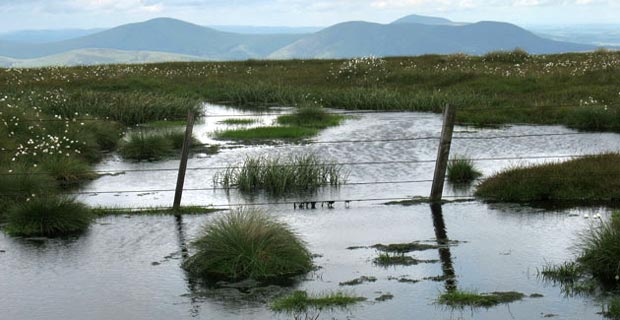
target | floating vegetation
[
  {"x": 248, "y": 244},
  {"x": 384, "y": 297},
  {"x": 586, "y": 180},
  {"x": 387, "y": 259},
  {"x": 279, "y": 176},
  {"x": 358, "y": 281},
  {"x": 405, "y": 247},
  {"x": 48, "y": 216},
  {"x": 404, "y": 280},
  {"x": 301, "y": 301},
  {"x": 266, "y": 133},
  {"x": 462, "y": 299},
  {"x": 462, "y": 170}
]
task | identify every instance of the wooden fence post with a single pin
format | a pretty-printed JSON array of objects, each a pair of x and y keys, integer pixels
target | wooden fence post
[
  {"x": 187, "y": 145},
  {"x": 443, "y": 153}
]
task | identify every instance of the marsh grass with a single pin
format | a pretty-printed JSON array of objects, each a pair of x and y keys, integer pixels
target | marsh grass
[
  {"x": 386, "y": 259},
  {"x": 143, "y": 146},
  {"x": 67, "y": 170},
  {"x": 591, "y": 179},
  {"x": 310, "y": 116},
  {"x": 612, "y": 309},
  {"x": 301, "y": 301},
  {"x": 600, "y": 251},
  {"x": 239, "y": 121},
  {"x": 248, "y": 244},
  {"x": 460, "y": 299},
  {"x": 266, "y": 133},
  {"x": 48, "y": 216},
  {"x": 21, "y": 183},
  {"x": 462, "y": 170},
  {"x": 279, "y": 176}
]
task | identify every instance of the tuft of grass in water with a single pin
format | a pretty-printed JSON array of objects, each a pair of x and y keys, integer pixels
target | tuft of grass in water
[
  {"x": 21, "y": 183},
  {"x": 300, "y": 301},
  {"x": 358, "y": 281},
  {"x": 177, "y": 137},
  {"x": 462, "y": 299},
  {"x": 67, "y": 170},
  {"x": 310, "y": 116},
  {"x": 239, "y": 121},
  {"x": 462, "y": 170},
  {"x": 600, "y": 251},
  {"x": 404, "y": 247},
  {"x": 279, "y": 176},
  {"x": 248, "y": 243},
  {"x": 48, "y": 216},
  {"x": 563, "y": 273},
  {"x": 387, "y": 259},
  {"x": 141, "y": 146},
  {"x": 612, "y": 310},
  {"x": 591, "y": 179},
  {"x": 266, "y": 133}
]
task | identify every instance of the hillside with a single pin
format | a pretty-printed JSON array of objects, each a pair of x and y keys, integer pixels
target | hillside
[
  {"x": 414, "y": 18},
  {"x": 352, "y": 39}
]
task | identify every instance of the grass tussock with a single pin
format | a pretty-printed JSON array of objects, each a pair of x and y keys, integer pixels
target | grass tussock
[
  {"x": 248, "y": 244},
  {"x": 310, "y": 116},
  {"x": 460, "y": 299},
  {"x": 266, "y": 133},
  {"x": 239, "y": 121},
  {"x": 48, "y": 216},
  {"x": 583, "y": 180},
  {"x": 462, "y": 170},
  {"x": 387, "y": 259},
  {"x": 153, "y": 145},
  {"x": 279, "y": 176},
  {"x": 301, "y": 301}
]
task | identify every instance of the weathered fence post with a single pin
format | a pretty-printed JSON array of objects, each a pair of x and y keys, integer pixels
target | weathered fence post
[
  {"x": 187, "y": 144},
  {"x": 443, "y": 153}
]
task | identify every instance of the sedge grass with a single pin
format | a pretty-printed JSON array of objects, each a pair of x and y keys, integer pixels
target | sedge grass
[
  {"x": 462, "y": 170},
  {"x": 239, "y": 121},
  {"x": 48, "y": 216},
  {"x": 267, "y": 133},
  {"x": 278, "y": 176},
  {"x": 301, "y": 301},
  {"x": 310, "y": 116},
  {"x": 460, "y": 299},
  {"x": 248, "y": 243}
]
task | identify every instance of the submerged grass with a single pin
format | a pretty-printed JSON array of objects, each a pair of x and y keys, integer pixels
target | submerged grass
[
  {"x": 585, "y": 180},
  {"x": 462, "y": 170},
  {"x": 301, "y": 301},
  {"x": 266, "y": 133},
  {"x": 472, "y": 299},
  {"x": 48, "y": 216},
  {"x": 278, "y": 176},
  {"x": 247, "y": 244},
  {"x": 310, "y": 116}
]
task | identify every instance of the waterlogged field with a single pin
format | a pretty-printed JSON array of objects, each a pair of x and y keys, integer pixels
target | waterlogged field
[{"x": 67, "y": 131}]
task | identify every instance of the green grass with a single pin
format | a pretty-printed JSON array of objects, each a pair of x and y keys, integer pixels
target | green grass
[
  {"x": 48, "y": 216},
  {"x": 404, "y": 247},
  {"x": 591, "y": 179},
  {"x": 310, "y": 116},
  {"x": 462, "y": 170},
  {"x": 248, "y": 243},
  {"x": 462, "y": 299},
  {"x": 266, "y": 133},
  {"x": 239, "y": 121},
  {"x": 67, "y": 170},
  {"x": 279, "y": 176},
  {"x": 386, "y": 259},
  {"x": 563, "y": 273},
  {"x": 600, "y": 251},
  {"x": 143, "y": 146},
  {"x": 165, "y": 123},
  {"x": 613, "y": 308},
  {"x": 301, "y": 301}
]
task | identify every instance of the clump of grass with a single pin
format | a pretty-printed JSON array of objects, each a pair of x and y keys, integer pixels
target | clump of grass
[
  {"x": 462, "y": 299},
  {"x": 579, "y": 181},
  {"x": 310, "y": 116},
  {"x": 266, "y": 133},
  {"x": 517, "y": 55},
  {"x": 177, "y": 138},
  {"x": 248, "y": 244},
  {"x": 48, "y": 216},
  {"x": 386, "y": 259},
  {"x": 239, "y": 121},
  {"x": 165, "y": 123},
  {"x": 358, "y": 281},
  {"x": 563, "y": 273},
  {"x": 462, "y": 170},
  {"x": 404, "y": 247},
  {"x": 600, "y": 251},
  {"x": 613, "y": 308},
  {"x": 67, "y": 170},
  {"x": 141, "y": 146},
  {"x": 107, "y": 133},
  {"x": 301, "y": 301},
  {"x": 278, "y": 176}
]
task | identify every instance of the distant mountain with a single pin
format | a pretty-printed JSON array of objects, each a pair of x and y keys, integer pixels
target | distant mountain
[
  {"x": 353, "y": 39},
  {"x": 43, "y": 36},
  {"x": 414, "y": 18},
  {"x": 95, "y": 57},
  {"x": 267, "y": 30},
  {"x": 166, "y": 39},
  {"x": 162, "y": 35}
]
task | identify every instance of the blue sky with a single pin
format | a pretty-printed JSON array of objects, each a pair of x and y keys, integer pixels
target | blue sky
[{"x": 56, "y": 14}]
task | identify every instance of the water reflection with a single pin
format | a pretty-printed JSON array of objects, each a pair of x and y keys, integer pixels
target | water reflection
[
  {"x": 194, "y": 310},
  {"x": 444, "y": 250}
]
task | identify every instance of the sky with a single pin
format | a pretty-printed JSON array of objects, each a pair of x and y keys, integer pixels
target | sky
[{"x": 61, "y": 14}]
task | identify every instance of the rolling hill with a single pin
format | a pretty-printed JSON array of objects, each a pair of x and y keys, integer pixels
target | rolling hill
[{"x": 352, "y": 39}]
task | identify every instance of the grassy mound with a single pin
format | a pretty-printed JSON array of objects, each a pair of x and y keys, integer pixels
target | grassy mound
[
  {"x": 310, "y": 116},
  {"x": 248, "y": 244},
  {"x": 462, "y": 170},
  {"x": 141, "y": 146},
  {"x": 278, "y": 176},
  {"x": 472, "y": 299},
  {"x": 583, "y": 180},
  {"x": 48, "y": 216}
]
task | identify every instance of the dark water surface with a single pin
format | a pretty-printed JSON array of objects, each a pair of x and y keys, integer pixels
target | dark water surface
[{"x": 129, "y": 267}]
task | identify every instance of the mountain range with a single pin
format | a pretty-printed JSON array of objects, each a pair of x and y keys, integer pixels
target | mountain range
[{"x": 166, "y": 39}]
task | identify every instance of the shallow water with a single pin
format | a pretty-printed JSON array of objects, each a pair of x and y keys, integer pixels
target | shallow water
[{"x": 129, "y": 267}]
